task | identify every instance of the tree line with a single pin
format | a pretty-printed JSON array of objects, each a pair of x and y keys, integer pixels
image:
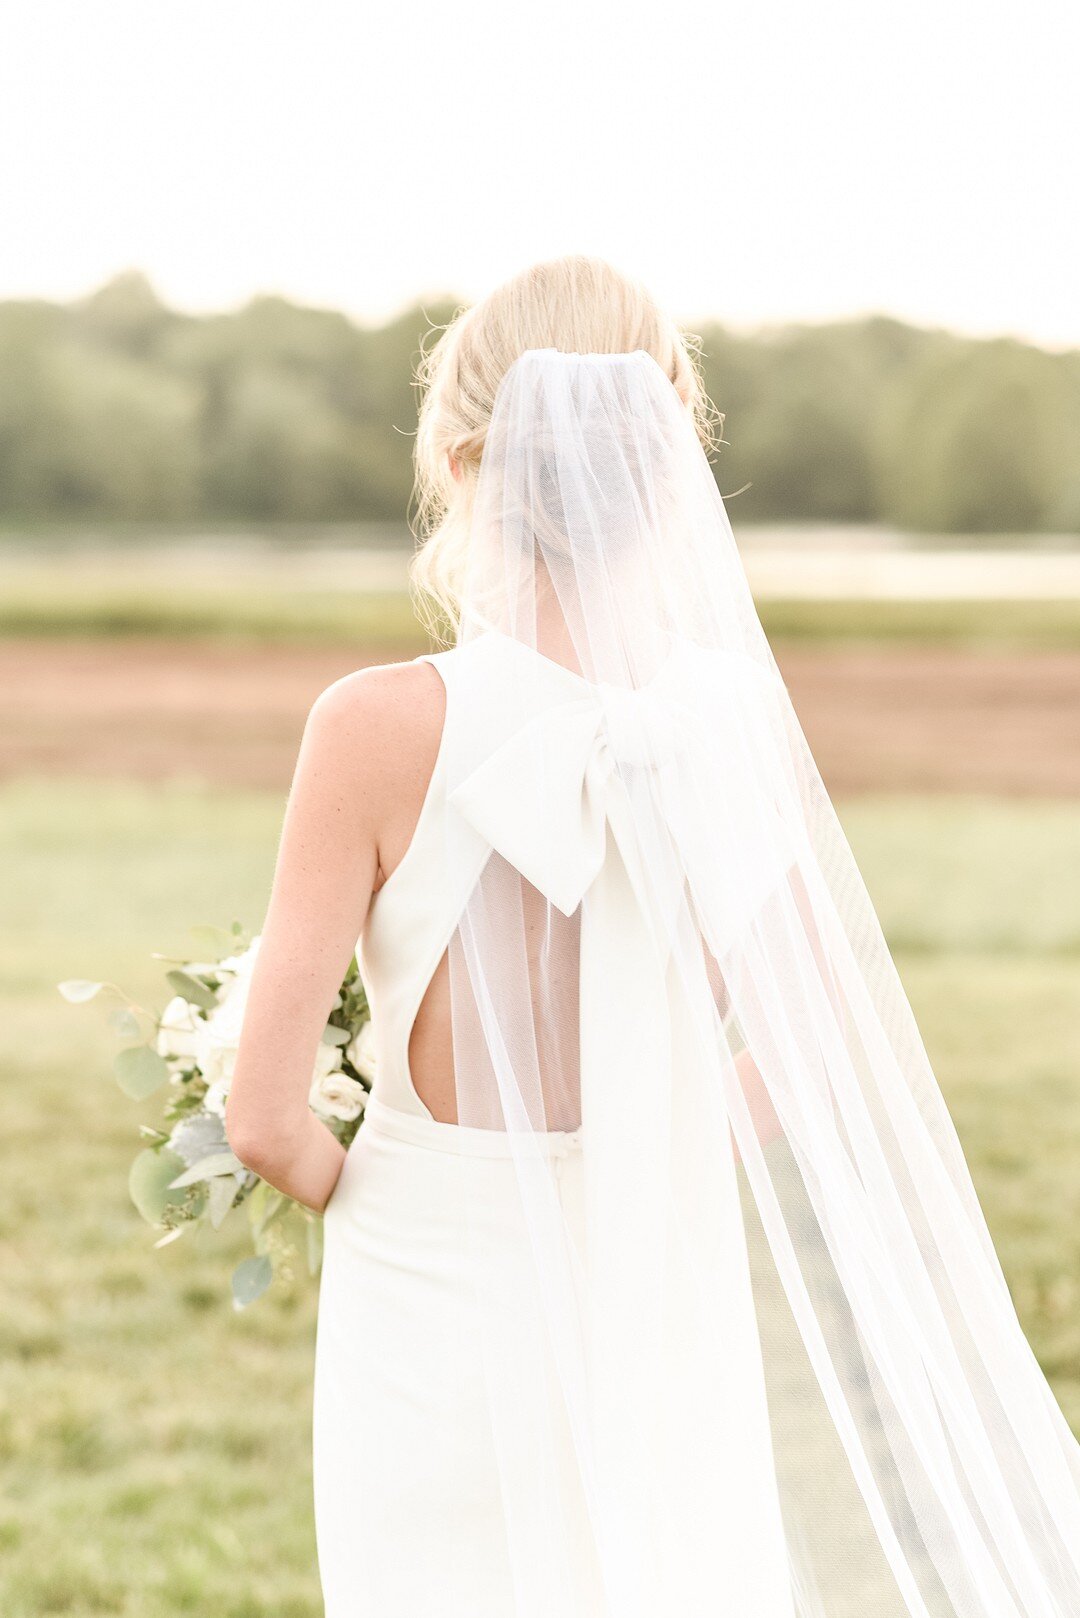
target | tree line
[{"x": 116, "y": 408}]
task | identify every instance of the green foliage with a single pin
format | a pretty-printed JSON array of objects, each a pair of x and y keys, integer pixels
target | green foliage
[
  {"x": 210, "y": 1174},
  {"x": 250, "y": 1280},
  {"x": 150, "y": 1183},
  {"x": 139, "y": 1071},
  {"x": 117, "y": 408},
  {"x": 990, "y": 434},
  {"x": 191, "y": 988},
  {"x": 872, "y": 420}
]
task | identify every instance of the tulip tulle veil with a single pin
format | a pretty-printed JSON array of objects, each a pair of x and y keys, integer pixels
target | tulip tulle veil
[{"x": 770, "y": 1367}]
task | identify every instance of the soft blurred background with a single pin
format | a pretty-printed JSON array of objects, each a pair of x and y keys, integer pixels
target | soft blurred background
[{"x": 223, "y": 233}]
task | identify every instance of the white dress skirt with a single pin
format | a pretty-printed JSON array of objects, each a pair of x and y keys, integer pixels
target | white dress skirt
[{"x": 410, "y": 1504}]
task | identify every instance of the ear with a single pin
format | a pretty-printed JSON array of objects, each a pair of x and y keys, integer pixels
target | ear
[{"x": 455, "y": 468}]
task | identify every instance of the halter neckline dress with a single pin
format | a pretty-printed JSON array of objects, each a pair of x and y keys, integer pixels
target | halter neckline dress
[{"x": 410, "y": 1486}]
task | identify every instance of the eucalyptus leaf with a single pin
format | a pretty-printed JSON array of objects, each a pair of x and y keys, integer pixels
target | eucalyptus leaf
[
  {"x": 207, "y": 1169},
  {"x": 150, "y": 1183},
  {"x": 250, "y": 1280},
  {"x": 140, "y": 1071},
  {"x": 148, "y": 1132},
  {"x": 211, "y": 938},
  {"x": 222, "y": 1194},
  {"x": 200, "y": 1135},
  {"x": 79, "y": 989},
  {"x": 272, "y": 1206},
  {"x": 124, "y": 1022},
  {"x": 191, "y": 989}
]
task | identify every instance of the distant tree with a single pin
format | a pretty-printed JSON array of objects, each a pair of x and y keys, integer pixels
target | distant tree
[
  {"x": 800, "y": 404},
  {"x": 125, "y": 314},
  {"x": 88, "y": 433},
  {"x": 977, "y": 439},
  {"x": 117, "y": 407}
]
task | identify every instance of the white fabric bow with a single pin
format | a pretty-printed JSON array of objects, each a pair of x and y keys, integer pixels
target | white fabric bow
[
  {"x": 544, "y": 797},
  {"x": 644, "y": 762}
]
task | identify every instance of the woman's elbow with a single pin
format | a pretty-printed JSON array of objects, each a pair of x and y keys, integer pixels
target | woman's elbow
[{"x": 248, "y": 1140}]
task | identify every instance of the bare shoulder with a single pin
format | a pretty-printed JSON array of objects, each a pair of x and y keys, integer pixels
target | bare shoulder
[
  {"x": 391, "y": 696},
  {"x": 390, "y": 708},
  {"x": 377, "y": 730}
]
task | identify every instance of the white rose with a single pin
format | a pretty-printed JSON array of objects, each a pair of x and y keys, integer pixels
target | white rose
[
  {"x": 336, "y": 1095},
  {"x": 178, "y": 1028},
  {"x": 216, "y": 1096},
  {"x": 216, "y": 1044},
  {"x": 217, "y": 1036},
  {"x": 235, "y": 969},
  {"x": 327, "y": 1060},
  {"x": 361, "y": 1051}
]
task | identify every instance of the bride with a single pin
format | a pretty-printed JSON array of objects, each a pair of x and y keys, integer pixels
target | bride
[{"x": 655, "y": 1281}]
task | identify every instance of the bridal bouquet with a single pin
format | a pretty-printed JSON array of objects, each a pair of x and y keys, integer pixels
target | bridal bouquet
[{"x": 186, "y": 1177}]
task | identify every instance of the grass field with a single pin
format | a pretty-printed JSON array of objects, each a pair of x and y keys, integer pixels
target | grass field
[
  {"x": 155, "y": 1446},
  {"x": 274, "y": 600}
]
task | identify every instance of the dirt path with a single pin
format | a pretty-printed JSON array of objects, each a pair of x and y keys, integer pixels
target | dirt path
[{"x": 891, "y": 718}]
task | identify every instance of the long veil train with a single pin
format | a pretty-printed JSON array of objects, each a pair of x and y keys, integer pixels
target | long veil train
[{"x": 768, "y": 1366}]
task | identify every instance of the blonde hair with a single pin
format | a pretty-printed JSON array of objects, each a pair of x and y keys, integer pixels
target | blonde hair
[{"x": 576, "y": 304}]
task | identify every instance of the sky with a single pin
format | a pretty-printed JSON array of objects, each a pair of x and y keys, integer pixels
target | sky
[{"x": 752, "y": 164}]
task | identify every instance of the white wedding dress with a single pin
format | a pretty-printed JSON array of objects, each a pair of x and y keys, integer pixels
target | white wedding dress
[{"x": 425, "y": 1236}]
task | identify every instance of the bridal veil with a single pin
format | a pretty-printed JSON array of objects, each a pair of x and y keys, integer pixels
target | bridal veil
[{"x": 768, "y": 1365}]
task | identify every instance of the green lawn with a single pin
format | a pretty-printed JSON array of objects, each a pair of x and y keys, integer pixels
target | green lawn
[
  {"x": 154, "y": 1445},
  {"x": 261, "y": 612},
  {"x": 267, "y": 603}
]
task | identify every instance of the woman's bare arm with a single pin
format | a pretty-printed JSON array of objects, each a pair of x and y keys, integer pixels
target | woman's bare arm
[{"x": 342, "y": 797}]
